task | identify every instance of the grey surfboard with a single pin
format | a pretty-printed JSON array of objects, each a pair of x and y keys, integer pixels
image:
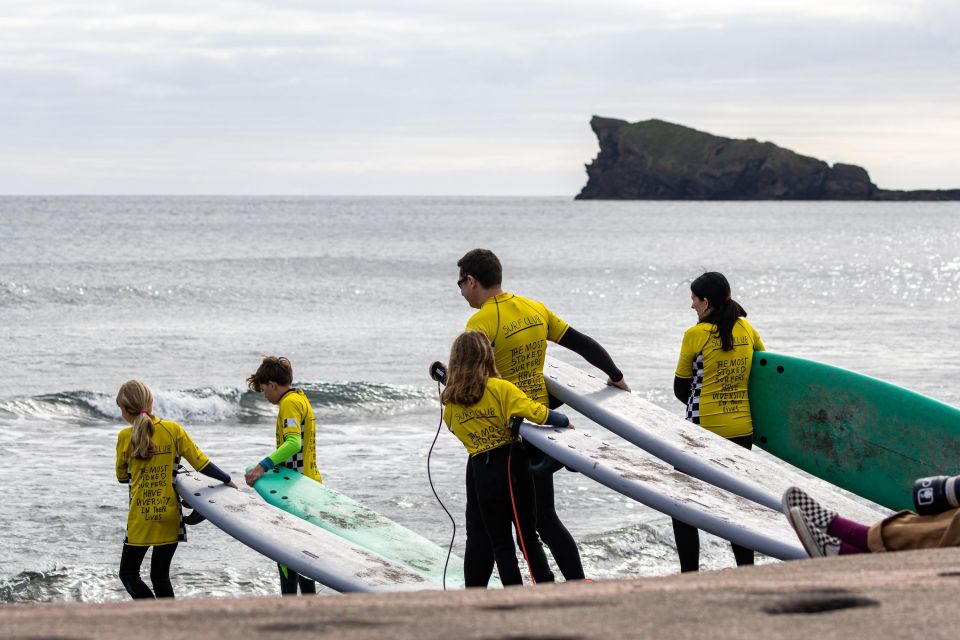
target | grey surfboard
[
  {"x": 657, "y": 485},
  {"x": 291, "y": 541},
  {"x": 690, "y": 448}
]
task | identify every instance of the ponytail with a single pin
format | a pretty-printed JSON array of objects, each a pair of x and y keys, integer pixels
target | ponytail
[
  {"x": 724, "y": 311},
  {"x": 135, "y": 398},
  {"x": 141, "y": 440}
]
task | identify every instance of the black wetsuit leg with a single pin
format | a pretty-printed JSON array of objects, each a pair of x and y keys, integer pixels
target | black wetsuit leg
[
  {"x": 160, "y": 570},
  {"x": 688, "y": 545},
  {"x": 496, "y": 508},
  {"x": 130, "y": 560},
  {"x": 688, "y": 537},
  {"x": 477, "y": 554},
  {"x": 552, "y": 531},
  {"x": 307, "y": 586},
  {"x": 743, "y": 555},
  {"x": 290, "y": 580}
]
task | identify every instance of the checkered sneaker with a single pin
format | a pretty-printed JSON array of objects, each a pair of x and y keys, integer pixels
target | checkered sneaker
[
  {"x": 810, "y": 508},
  {"x": 816, "y": 541}
]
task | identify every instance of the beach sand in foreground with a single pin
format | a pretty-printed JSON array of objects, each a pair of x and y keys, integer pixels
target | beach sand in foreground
[{"x": 895, "y": 595}]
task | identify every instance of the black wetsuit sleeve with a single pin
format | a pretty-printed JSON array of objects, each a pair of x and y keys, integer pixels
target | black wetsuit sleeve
[
  {"x": 557, "y": 419},
  {"x": 215, "y": 472},
  {"x": 591, "y": 351},
  {"x": 681, "y": 388}
]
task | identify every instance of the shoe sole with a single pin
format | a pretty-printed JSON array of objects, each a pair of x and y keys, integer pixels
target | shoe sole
[
  {"x": 809, "y": 542},
  {"x": 795, "y": 518}
]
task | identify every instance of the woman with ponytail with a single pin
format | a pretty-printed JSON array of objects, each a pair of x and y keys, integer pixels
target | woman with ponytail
[
  {"x": 478, "y": 406},
  {"x": 148, "y": 452},
  {"x": 711, "y": 379}
]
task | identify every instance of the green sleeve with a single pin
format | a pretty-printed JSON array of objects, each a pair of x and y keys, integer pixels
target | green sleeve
[{"x": 290, "y": 447}]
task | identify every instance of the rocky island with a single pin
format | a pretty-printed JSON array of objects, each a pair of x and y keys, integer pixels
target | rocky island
[{"x": 657, "y": 160}]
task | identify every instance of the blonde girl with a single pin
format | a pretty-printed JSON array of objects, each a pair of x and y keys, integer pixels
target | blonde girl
[
  {"x": 478, "y": 407},
  {"x": 148, "y": 451}
]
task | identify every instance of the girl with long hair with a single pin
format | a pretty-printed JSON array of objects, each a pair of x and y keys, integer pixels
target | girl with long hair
[
  {"x": 148, "y": 452},
  {"x": 478, "y": 407},
  {"x": 711, "y": 379}
]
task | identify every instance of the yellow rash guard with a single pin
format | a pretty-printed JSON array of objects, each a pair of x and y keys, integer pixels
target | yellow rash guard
[
  {"x": 295, "y": 417},
  {"x": 486, "y": 424},
  {"x": 718, "y": 379},
  {"x": 154, "y": 517},
  {"x": 519, "y": 329}
]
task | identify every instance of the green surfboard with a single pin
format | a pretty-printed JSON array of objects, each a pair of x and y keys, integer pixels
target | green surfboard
[
  {"x": 864, "y": 435},
  {"x": 347, "y": 518}
]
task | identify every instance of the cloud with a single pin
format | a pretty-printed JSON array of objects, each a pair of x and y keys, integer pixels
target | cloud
[{"x": 430, "y": 89}]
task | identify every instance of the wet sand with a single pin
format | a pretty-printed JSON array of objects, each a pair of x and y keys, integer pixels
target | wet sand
[{"x": 897, "y": 595}]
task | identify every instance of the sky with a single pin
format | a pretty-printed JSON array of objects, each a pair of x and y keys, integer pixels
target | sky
[{"x": 307, "y": 97}]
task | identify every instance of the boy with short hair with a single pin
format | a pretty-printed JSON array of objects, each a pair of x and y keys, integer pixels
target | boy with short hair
[{"x": 295, "y": 437}]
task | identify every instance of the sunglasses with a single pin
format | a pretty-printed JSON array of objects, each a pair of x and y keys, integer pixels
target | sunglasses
[{"x": 461, "y": 281}]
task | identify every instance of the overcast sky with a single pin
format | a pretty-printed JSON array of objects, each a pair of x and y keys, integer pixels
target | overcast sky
[{"x": 448, "y": 97}]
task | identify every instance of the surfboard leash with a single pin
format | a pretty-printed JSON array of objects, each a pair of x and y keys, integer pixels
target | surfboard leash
[
  {"x": 516, "y": 520},
  {"x": 436, "y": 495}
]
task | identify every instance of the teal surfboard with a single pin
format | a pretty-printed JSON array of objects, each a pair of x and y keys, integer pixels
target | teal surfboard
[
  {"x": 330, "y": 510},
  {"x": 865, "y": 435},
  {"x": 307, "y": 549}
]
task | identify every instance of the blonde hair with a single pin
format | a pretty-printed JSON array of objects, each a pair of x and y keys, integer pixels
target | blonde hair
[
  {"x": 471, "y": 364},
  {"x": 135, "y": 398}
]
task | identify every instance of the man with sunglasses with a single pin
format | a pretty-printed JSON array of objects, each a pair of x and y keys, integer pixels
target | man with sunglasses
[{"x": 518, "y": 329}]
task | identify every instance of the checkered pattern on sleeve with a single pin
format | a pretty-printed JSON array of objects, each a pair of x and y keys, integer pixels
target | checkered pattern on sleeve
[
  {"x": 295, "y": 461},
  {"x": 126, "y": 536},
  {"x": 696, "y": 386},
  {"x": 182, "y": 531}
]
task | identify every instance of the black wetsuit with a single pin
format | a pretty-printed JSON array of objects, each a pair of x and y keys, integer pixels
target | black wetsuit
[
  {"x": 478, "y": 557},
  {"x": 687, "y": 536},
  {"x": 492, "y": 517}
]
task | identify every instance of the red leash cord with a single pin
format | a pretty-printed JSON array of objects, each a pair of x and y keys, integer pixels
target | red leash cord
[{"x": 516, "y": 520}]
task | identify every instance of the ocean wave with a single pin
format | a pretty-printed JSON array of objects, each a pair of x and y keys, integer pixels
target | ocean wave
[
  {"x": 648, "y": 549},
  {"x": 59, "y": 584},
  {"x": 208, "y": 404},
  {"x": 33, "y": 295},
  {"x": 101, "y": 584}
]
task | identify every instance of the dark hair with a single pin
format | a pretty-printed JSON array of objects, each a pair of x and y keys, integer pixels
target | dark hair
[
  {"x": 724, "y": 311},
  {"x": 272, "y": 369},
  {"x": 483, "y": 265}
]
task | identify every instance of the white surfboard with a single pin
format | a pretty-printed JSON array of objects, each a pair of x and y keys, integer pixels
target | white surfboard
[
  {"x": 659, "y": 486},
  {"x": 690, "y": 448},
  {"x": 291, "y": 541}
]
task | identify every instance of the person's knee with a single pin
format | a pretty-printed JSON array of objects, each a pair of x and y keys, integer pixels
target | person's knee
[
  {"x": 552, "y": 531},
  {"x": 127, "y": 575}
]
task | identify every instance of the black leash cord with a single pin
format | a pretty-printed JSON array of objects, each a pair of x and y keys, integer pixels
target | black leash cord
[{"x": 430, "y": 478}]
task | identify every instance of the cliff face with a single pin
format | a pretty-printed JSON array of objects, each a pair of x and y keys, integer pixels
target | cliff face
[{"x": 657, "y": 160}]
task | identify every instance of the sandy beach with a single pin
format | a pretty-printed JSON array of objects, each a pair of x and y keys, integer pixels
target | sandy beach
[{"x": 899, "y": 595}]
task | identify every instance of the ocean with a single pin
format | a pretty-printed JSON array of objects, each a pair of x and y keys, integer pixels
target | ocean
[{"x": 187, "y": 294}]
